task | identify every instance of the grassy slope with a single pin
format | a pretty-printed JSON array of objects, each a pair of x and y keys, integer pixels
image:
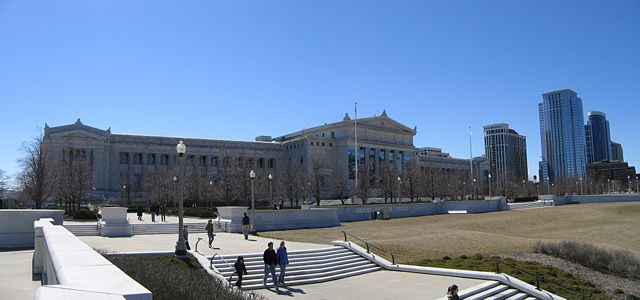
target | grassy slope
[
  {"x": 612, "y": 225},
  {"x": 550, "y": 274}
]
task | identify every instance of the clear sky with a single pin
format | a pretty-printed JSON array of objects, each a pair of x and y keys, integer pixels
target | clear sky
[{"x": 239, "y": 69}]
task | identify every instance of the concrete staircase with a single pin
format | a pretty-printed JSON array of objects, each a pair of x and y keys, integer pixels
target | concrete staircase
[
  {"x": 142, "y": 229},
  {"x": 167, "y": 228},
  {"x": 492, "y": 290},
  {"x": 305, "y": 267},
  {"x": 83, "y": 229},
  {"x": 528, "y": 205}
]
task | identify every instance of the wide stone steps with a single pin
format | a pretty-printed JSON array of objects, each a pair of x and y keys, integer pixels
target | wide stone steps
[
  {"x": 167, "y": 228},
  {"x": 527, "y": 205},
  {"x": 83, "y": 229},
  {"x": 492, "y": 290},
  {"x": 305, "y": 267}
]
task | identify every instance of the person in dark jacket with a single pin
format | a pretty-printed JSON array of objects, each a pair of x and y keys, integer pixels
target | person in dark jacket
[
  {"x": 270, "y": 259},
  {"x": 283, "y": 261},
  {"x": 240, "y": 270},
  {"x": 153, "y": 210},
  {"x": 140, "y": 212},
  {"x": 246, "y": 226},
  {"x": 210, "y": 233},
  {"x": 452, "y": 293},
  {"x": 163, "y": 212},
  {"x": 185, "y": 234}
]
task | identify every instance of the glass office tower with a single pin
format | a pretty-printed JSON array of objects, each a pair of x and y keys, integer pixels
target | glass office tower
[
  {"x": 598, "y": 137},
  {"x": 562, "y": 136}
]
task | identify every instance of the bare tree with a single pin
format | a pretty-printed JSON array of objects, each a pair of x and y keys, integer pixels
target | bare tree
[
  {"x": 317, "y": 180},
  {"x": 366, "y": 183},
  {"x": 159, "y": 185},
  {"x": 388, "y": 175},
  {"x": 412, "y": 178},
  {"x": 3, "y": 186},
  {"x": 74, "y": 178},
  {"x": 341, "y": 188},
  {"x": 35, "y": 179},
  {"x": 289, "y": 181}
]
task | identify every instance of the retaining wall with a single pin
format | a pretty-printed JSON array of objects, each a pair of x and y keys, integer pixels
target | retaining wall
[
  {"x": 16, "y": 225},
  {"x": 70, "y": 269}
]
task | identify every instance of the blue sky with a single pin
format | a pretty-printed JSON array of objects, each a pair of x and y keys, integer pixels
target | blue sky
[{"x": 239, "y": 69}]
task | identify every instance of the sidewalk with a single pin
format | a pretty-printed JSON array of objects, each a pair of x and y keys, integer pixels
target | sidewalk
[
  {"x": 146, "y": 219},
  {"x": 15, "y": 271}
]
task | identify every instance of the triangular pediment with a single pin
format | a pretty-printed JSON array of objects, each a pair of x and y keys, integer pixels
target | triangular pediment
[
  {"x": 77, "y": 131},
  {"x": 384, "y": 122}
]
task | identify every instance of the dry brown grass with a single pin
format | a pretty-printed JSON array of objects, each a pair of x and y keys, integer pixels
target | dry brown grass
[{"x": 611, "y": 225}]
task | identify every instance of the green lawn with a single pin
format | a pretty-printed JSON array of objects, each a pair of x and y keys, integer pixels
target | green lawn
[{"x": 511, "y": 267}]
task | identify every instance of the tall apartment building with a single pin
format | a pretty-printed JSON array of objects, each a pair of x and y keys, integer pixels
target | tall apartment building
[
  {"x": 562, "y": 136},
  {"x": 506, "y": 151},
  {"x": 616, "y": 151},
  {"x": 598, "y": 138}
]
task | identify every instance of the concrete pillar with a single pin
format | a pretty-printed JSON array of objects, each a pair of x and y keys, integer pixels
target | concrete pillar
[{"x": 39, "y": 246}]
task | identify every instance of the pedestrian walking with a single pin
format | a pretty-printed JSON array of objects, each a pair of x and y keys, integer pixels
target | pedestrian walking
[
  {"x": 210, "y": 233},
  {"x": 283, "y": 261},
  {"x": 185, "y": 234},
  {"x": 452, "y": 293},
  {"x": 246, "y": 226},
  {"x": 270, "y": 259},
  {"x": 163, "y": 212},
  {"x": 140, "y": 212},
  {"x": 240, "y": 270},
  {"x": 153, "y": 209}
]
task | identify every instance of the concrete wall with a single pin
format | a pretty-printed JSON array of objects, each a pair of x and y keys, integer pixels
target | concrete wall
[
  {"x": 604, "y": 198},
  {"x": 280, "y": 219},
  {"x": 70, "y": 269},
  {"x": 16, "y": 225},
  {"x": 401, "y": 210}
]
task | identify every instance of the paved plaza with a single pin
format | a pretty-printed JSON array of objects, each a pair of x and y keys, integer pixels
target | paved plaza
[{"x": 15, "y": 271}]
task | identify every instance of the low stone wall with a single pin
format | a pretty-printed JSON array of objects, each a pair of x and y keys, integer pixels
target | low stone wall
[
  {"x": 16, "y": 225},
  {"x": 280, "y": 219},
  {"x": 603, "y": 198},
  {"x": 402, "y": 210},
  {"x": 72, "y": 270}
]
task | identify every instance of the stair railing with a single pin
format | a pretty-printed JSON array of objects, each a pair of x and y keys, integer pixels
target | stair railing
[
  {"x": 369, "y": 245},
  {"x": 540, "y": 278},
  {"x": 222, "y": 258}
]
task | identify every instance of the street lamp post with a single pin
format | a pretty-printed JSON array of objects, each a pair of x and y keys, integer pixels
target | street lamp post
[
  {"x": 524, "y": 188},
  {"x": 473, "y": 194},
  {"x": 629, "y": 180},
  {"x": 399, "y": 182},
  {"x": 636, "y": 184},
  {"x": 174, "y": 180},
  {"x": 270, "y": 190},
  {"x": 608, "y": 186},
  {"x": 489, "y": 186},
  {"x": 181, "y": 249},
  {"x": 124, "y": 195},
  {"x": 581, "y": 191},
  {"x": 211, "y": 197},
  {"x": 309, "y": 192},
  {"x": 252, "y": 175}
]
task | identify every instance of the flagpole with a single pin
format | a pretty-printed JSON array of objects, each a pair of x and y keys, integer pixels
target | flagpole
[
  {"x": 356, "y": 139},
  {"x": 470, "y": 159}
]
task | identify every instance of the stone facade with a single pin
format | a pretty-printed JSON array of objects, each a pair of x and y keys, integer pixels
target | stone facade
[{"x": 121, "y": 163}]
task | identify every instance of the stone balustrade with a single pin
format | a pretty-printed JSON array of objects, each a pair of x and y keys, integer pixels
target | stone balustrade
[{"x": 72, "y": 270}]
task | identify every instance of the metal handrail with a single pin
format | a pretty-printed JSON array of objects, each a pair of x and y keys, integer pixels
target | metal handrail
[
  {"x": 367, "y": 244},
  {"x": 224, "y": 260},
  {"x": 538, "y": 278}
]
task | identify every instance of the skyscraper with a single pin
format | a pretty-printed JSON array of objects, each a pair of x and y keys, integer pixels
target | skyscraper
[
  {"x": 507, "y": 154},
  {"x": 616, "y": 150},
  {"x": 562, "y": 136},
  {"x": 598, "y": 138}
]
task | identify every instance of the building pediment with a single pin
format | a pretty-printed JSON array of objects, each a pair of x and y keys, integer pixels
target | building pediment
[
  {"x": 385, "y": 123},
  {"x": 77, "y": 131}
]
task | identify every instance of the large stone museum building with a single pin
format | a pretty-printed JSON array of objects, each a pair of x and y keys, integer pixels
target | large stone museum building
[{"x": 119, "y": 161}]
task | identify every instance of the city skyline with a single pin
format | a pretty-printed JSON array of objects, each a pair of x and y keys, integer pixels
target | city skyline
[{"x": 236, "y": 71}]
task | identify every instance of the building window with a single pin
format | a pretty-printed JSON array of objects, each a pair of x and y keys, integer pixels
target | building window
[
  {"x": 137, "y": 180},
  {"x": 330, "y": 144},
  {"x": 333, "y": 135},
  {"x": 301, "y": 160},
  {"x": 164, "y": 160},
  {"x": 322, "y": 144},
  {"x": 272, "y": 163},
  {"x": 137, "y": 158},
  {"x": 124, "y": 158},
  {"x": 215, "y": 162},
  {"x": 151, "y": 159},
  {"x": 203, "y": 161},
  {"x": 261, "y": 163}
]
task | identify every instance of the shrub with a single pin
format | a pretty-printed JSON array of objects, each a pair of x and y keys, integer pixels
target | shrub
[
  {"x": 200, "y": 212},
  {"x": 168, "y": 277},
  {"x": 84, "y": 214},
  {"x": 618, "y": 262}
]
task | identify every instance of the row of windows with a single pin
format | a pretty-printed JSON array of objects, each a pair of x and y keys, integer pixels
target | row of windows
[
  {"x": 203, "y": 161},
  {"x": 318, "y": 144}
]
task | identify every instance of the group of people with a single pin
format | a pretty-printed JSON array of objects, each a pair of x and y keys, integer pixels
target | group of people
[
  {"x": 271, "y": 259},
  {"x": 155, "y": 210}
]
